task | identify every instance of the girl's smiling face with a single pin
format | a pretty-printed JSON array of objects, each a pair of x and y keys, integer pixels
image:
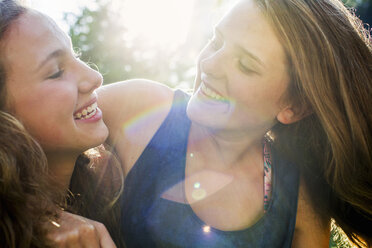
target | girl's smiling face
[
  {"x": 242, "y": 74},
  {"x": 48, "y": 88}
]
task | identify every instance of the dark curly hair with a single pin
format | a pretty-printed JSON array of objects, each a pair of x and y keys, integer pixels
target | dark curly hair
[{"x": 28, "y": 198}]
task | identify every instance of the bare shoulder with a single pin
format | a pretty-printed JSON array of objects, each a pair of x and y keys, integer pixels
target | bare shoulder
[
  {"x": 123, "y": 101},
  {"x": 128, "y": 97},
  {"x": 310, "y": 231},
  {"x": 133, "y": 110}
]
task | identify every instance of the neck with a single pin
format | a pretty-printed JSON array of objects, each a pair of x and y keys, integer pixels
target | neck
[
  {"x": 230, "y": 147},
  {"x": 61, "y": 166}
]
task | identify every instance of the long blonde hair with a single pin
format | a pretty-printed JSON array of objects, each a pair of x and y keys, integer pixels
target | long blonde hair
[{"x": 330, "y": 64}]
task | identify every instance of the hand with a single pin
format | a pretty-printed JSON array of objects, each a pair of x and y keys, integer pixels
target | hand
[{"x": 71, "y": 231}]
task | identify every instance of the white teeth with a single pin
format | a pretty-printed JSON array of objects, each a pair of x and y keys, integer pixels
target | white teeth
[
  {"x": 87, "y": 112},
  {"x": 91, "y": 114},
  {"x": 211, "y": 93}
]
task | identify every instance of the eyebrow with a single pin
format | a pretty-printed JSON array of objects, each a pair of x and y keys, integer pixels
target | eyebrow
[
  {"x": 57, "y": 53},
  {"x": 247, "y": 53}
]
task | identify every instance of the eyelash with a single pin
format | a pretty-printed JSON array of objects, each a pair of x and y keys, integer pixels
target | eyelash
[
  {"x": 57, "y": 74},
  {"x": 76, "y": 54},
  {"x": 245, "y": 69}
]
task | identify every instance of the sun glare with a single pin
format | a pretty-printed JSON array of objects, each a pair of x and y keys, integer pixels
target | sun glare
[{"x": 161, "y": 22}]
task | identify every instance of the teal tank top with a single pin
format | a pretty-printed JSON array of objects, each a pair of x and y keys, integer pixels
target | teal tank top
[{"x": 149, "y": 220}]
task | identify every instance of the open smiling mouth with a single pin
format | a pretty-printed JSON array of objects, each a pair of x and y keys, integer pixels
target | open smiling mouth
[
  {"x": 87, "y": 112},
  {"x": 211, "y": 93}
]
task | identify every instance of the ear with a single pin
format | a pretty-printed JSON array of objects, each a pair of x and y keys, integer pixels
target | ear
[{"x": 288, "y": 115}]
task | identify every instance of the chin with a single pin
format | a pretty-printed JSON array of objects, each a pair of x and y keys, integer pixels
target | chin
[
  {"x": 95, "y": 138},
  {"x": 203, "y": 119},
  {"x": 208, "y": 116},
  {"x": 101, "y": 137}
]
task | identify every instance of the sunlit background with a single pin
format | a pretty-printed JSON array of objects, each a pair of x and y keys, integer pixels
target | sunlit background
[
  {"x": 154, "y": 39},
  {"x": 159, "y": 40}
]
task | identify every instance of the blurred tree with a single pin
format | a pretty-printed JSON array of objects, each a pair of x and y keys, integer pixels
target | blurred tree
[
  {"x": 100, "y": 38},
  {"x": 95, "y": 35}
]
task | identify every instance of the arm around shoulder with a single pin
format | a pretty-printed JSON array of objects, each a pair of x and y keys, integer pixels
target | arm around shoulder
[
  {"x": 133, "y": 110},
  {"x": 123, "y": 101},
  {"x": 128, "y": 97}
]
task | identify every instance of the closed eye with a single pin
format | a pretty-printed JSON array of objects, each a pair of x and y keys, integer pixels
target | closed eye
[
  {"x": 245, "y": 68},
  {"x": 58, "y": 74}
]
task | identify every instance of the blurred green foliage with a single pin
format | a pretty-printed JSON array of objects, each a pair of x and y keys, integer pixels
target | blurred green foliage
[
  {"x": 100, "y": 37},
  {"x": 92, "y": 34},
  {"x": 352, "y": 3}
]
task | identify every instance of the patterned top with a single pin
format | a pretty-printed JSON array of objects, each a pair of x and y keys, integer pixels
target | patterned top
[{"x": 267, "y": 173}]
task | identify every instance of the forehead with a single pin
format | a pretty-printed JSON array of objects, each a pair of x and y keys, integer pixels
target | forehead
[
  {"x": 245, "y": 14},
  {"x": 32, "y": 37},
  {"x": 246, "y": 25}
]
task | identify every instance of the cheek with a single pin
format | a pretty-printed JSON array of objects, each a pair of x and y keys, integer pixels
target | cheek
[
  {"x": 255, "y": 103},
  {"x": 50, "y": 100},
  {"x": 246, "y": 93},
  {"x": 260, "y": 91},
  {"x": 46, "y": 111},
  {"x": 47, "y": 135}
]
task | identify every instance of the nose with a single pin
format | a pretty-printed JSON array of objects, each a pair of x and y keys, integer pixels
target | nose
[
  {"x": 214, "y": 64},
  {"x": 90, "y": 79}
]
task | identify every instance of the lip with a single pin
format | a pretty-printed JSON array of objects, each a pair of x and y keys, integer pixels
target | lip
[
  {"x": 204, "y": 81},
  {"x": 208, "y": 86},
  {"x": 96, "y": 117},
  {"x": 93, "y": 100}
]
